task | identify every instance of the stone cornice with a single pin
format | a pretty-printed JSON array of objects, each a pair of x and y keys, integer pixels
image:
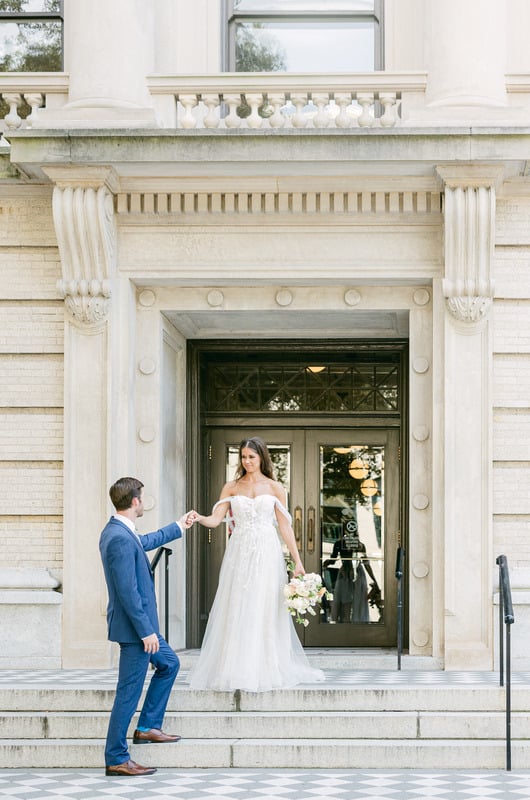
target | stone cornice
[{"x": 209, "y": 153}]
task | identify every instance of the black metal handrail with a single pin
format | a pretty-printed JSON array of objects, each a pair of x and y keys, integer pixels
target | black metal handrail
[
  {"x": 399, "y": 577},
  {"x": 506, "y": 620},
  {"x": 166, "y": 552}
]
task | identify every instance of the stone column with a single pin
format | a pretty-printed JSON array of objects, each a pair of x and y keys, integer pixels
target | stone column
[
  {"x": 466, "y": 52},
  {"x": 465, "y": 339},
  {"x": 83, "y": 211},
  {"x": 109, "y": 51}
]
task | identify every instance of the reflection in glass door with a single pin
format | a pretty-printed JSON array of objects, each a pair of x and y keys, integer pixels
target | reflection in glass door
[
  {"x": 343, "y": 495},
  {"x": 352, "y": 528}
]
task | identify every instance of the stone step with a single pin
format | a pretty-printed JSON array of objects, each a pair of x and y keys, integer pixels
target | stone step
[
  {"x": 324, "y": 699},
  {"x": 305, "y": 753},
  {"x": 286, "y": 725}
]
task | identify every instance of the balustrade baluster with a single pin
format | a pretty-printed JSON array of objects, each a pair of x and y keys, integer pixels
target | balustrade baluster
[
  {"x": 322, "y": 118},
  {"x": 277, "y": 119},
  {"x": 12, "y": 119},
  {"x": 365, "y": 100},
  {"x": 343, "y": 119},
  {"x": 188, "y": 101},
  {"x": 388, "y": 118},
  {"x": 212, "y": 103},
  {"x": 299, "y": 119},
  {"x": 254, "y": 101},
  {"x": 35, "y": 101},
  {"x": 232, "y": 120}
]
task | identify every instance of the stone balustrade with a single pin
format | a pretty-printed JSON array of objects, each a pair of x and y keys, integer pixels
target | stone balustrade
[
  {"x": 279, "y": 100},
  {"x": 254, "y": 101},
  {"x": 23, "y": 94},
  {"x": 235, "y": 100}
]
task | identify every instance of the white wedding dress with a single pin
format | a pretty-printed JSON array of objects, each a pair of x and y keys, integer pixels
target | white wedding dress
[{"x": 250, "y": 641}]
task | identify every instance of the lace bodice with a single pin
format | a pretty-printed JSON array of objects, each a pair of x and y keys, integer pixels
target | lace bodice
[{"x": 253, "y": 511}]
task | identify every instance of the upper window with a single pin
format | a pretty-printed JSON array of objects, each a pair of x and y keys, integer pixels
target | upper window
[
  {"x": 304, "y": 35},
  {"x": 31, "y": 35}
]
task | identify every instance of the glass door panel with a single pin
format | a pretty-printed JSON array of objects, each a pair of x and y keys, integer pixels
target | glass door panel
[
  {"x": 352, "y": 489},
  {"x": 352, "y": 527}
]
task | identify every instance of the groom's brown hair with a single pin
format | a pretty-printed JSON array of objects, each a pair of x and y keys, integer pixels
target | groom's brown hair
[{"x": 122, "y": 492}]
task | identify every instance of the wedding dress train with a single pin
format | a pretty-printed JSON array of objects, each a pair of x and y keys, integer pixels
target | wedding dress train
[{"x": 250, "y": 641}]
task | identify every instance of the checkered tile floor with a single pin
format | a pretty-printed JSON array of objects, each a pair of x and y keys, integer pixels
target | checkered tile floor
[
  {"x": 107, "y": 678},
  {"x": 236, "y": 784}
]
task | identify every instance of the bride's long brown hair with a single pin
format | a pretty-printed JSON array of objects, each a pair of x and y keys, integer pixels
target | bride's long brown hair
[{"x": 259, "y": 447}]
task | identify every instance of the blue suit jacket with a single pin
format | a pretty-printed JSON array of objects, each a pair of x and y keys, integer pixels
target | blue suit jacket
[{"x": 131, "y": 613}]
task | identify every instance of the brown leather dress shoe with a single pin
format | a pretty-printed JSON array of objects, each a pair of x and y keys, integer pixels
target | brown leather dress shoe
[
  {"x": 154, "y": 736},
  {"x": 130, "y": 768}
]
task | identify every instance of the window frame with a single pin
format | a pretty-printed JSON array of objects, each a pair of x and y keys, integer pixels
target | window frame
[
  {"x": 230, "y": 17},
  {"x": 38, "y": 16}
]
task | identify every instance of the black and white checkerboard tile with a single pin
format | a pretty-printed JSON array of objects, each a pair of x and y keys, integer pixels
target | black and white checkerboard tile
[
  {"x": 89, "y": 678},
  {"x": 236, "y": 784}
]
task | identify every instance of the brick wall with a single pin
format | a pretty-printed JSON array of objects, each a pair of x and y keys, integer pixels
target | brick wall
[
  {"x": 31, "y": 381},
  {"x": 511, "y": 383}
]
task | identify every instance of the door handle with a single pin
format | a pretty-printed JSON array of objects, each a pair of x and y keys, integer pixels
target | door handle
[
  {"x": 298, "y": 526},
  {"x": 311, "y": 529}
]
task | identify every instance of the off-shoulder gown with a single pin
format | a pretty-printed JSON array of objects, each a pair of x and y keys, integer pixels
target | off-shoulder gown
[{"x": 250, "y": 642}]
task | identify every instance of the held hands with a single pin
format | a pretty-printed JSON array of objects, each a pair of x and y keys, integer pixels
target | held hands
[{"x": 187, "y": 519}]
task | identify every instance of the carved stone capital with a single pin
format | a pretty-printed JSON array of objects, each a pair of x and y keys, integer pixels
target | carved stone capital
[
  {"x": 468, "y": 309},
  {"x": 83, "y": 213},
  {"x": 86, "y": 301}
]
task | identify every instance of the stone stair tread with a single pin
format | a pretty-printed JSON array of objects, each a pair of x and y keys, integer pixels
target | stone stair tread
[{"x": 261, "y": 753}]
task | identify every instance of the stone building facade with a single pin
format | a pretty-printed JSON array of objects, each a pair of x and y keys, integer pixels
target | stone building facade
[{"x": 152, "y": 214}]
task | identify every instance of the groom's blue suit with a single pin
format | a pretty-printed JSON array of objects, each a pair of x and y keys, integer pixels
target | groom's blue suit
[{"x": 132, "y": 616}]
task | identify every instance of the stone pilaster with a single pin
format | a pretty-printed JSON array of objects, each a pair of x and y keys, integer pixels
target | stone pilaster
[
  {"x": 464, "y": 333},
  {"x": 83, "y": 211}
]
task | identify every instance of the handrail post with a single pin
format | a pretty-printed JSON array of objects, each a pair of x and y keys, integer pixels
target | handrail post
[
  {"x": 506, "y": 614},
  {"x": 399, "y": 576},
  {"x": 501, "y": 630},
  {"x": 508, "y": 700},
  {"x": 166, "y": 552}
]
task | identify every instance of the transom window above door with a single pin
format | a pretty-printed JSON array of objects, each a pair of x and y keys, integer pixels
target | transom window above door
[
  {"x": 361, "y": 388},
  {"x": 304, "y": 35}
]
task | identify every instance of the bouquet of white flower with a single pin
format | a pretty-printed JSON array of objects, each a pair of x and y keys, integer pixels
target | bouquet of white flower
[{"x": 301, "y": 596}]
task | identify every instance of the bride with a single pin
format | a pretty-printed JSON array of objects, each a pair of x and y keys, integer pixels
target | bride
[{"x": 250, "y": 641}]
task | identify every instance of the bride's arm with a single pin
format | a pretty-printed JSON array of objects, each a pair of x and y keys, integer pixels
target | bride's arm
[
  {"x": 287, "y": 533},
  {"x": 219, "y": 511}
]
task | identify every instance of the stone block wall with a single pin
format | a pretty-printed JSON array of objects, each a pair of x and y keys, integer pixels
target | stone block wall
[
  {"x": 511, "y": 411},
  {"x": 31, "y": 377}
]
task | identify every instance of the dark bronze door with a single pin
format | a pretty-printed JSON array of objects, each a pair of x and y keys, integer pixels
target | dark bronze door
[{"x": 343, "y": 490}]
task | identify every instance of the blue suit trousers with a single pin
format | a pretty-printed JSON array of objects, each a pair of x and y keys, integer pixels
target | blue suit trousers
[{"x": 134, "y": 662}]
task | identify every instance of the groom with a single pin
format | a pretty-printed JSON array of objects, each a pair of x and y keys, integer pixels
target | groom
[{"x": 132, "y": 620}]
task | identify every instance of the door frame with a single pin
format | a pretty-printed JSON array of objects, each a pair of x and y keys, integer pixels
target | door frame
[{"x": 197, "y": 439}]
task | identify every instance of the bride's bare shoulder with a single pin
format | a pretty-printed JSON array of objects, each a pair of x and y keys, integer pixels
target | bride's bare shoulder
[{"x": 278, "y": 491}]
